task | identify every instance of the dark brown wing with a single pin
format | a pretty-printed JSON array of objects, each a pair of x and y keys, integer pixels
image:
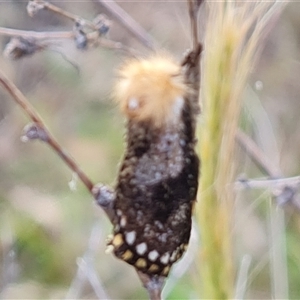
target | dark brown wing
[{"x": 156, "y": 188}]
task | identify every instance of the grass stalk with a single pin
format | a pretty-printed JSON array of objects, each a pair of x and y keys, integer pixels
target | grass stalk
[{"x": 233, "y": 39}]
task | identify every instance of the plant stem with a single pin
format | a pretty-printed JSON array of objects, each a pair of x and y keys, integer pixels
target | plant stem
[
  {"x": 233, "y": 39},
  {"x": 21, "y": 100}
]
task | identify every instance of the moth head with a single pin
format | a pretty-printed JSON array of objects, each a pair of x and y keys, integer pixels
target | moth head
[{"x": 151, "y": 90}]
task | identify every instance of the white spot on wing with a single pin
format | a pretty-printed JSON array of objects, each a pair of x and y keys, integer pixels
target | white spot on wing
[
  {"x": 165, "y": 258},
  {"x": 123, "y": 221},
  {"x": 130, "y": 237},
  {"x": 153, "y": 255},
  {"x": 162, "y": 237},
  {"x": 159, "y": 224},
  {"x": 158, "y": 176},
  {"x": 141, "y": 248}
]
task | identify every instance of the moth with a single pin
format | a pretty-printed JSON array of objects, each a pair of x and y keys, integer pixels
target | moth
[{"x": 158, "y": 178}]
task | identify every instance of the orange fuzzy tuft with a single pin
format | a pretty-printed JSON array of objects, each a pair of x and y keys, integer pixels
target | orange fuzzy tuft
[{"x": 151, "y": 89}]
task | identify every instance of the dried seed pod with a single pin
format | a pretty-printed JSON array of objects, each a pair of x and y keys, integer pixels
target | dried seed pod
[
  {"x": 18, "y": 47},
  {"x": 80, "y": 36},
  {"x": 33, "y": 7},
  {"x": 102, "y": 23},
  {"x": 34, "y": 132}
]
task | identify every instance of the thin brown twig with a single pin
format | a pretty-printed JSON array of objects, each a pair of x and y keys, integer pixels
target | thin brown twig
[
  {"x": 193, "y": 13},
  {"x": 55, "y": 9},
  {"x": 258, "y": 157},
  {"x": 284, "y": 190},
  {"x": 118, "y": 13},
  {"x": 118, "y": 46},
  {"x": 21, "y": 100},
  {"x": 268, "y": 183},
  {"x": 94, "y": 37},
  {"x": 129, "y": 23},
  {"x": 53, "y": 35},
  {"x": 35, "y": 34}
]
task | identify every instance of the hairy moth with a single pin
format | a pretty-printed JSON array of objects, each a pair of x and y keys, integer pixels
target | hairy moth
[{"x": 158, "y": 178}]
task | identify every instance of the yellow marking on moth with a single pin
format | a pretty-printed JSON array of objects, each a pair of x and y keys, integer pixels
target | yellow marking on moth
[
  {"x": 151, "y": 89},
  {"x": 127, "y": 255},
  {"x": 185, "y": 247},
  {"x": 173, "y": 256},
  {"x": 166, "y": 271},
  {"x": 118, "y": 240},
  {"x": 153, "y": 268},
  {"x": 141, "y": 263}
]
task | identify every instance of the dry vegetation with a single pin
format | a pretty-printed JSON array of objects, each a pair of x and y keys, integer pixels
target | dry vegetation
[{"x": 52, "y": 240}]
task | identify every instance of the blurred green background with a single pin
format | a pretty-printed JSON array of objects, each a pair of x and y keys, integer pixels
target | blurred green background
[{"x": 46, "y": 229}]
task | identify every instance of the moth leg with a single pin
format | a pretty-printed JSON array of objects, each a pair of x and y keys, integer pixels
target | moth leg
[{"x": 105, "y": 198}]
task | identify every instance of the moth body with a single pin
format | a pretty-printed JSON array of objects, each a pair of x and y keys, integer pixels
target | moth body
[{"x": 158, "y": 177}]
